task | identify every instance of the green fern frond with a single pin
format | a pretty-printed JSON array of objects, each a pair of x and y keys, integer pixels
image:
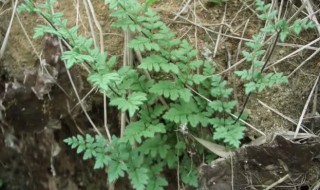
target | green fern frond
[
  {"x": 116, "y": 169},
  {"x": 226, "y": 130},
  {"x": 158, "y": 63},
  {"x": 141, "y": 43},
  {"x": 155, "y": 147},
  {"x": 103, "y": 80},
  {"x": 135, "y": 131},
  {"x": 189, "y": 172},
  {"x": 186, "y": 113},
  {"x": 137, "y": 172},
  {"x": 172, "y": 90},
  {"x": 131, "y": 103}
]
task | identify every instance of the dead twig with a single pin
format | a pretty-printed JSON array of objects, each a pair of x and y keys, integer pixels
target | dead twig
[
  {"x": 304, "y": 62},
  {"x": 127, "y": 60},
  {"x": 306, "y": 106},
  {"x": 184, "y": 8},
  {"x": 101, "y": 46},
  {"x": 94, "y": 37},
  {"x": 281, "y": 115},
  {"x": 293, "y": 53},
  {"x": 219, "y": 33},
  {"x": 278, "y": 182},
  {"x": 309, "y": 8},
  {"x": 75, "y": 88},
  {"x": 78, "y": 97},
  {"x": 6, "y": 37}
]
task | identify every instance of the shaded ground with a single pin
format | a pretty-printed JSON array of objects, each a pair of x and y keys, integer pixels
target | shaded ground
[
  {"x": 33, "y": 156},
  {"x": 37, "y": 115},
  {"x": 282, "y": 164}
]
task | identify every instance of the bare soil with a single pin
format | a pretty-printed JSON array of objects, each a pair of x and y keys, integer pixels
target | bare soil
[{"x": 32, "y": 152}]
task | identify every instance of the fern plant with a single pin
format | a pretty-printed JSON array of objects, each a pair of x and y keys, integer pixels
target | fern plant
[
  {"x": 257, "y": 79},
  {"x": 168, "y": 92}
]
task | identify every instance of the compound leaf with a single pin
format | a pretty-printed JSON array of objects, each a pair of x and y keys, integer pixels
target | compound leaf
[
  {"x": 131, "y": 103},
  {"x": 172, "y": 90},
  {"x": 116, "y": 169}
]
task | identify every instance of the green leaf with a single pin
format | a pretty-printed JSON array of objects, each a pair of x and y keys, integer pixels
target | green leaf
[
  {"x": 139, "y": 178},
  {"x": 309, "y": 24},
  {"x": 157, "y": 111},
  {"x": 196, "y": 64},
  {"x": 89, "y": 139},
  {"x": 192, "y": 54},
  {"x": 116, "y": 169},
  {"x": 172, "y": 90},
  {"x": 125, "y": 23},
  {"x": 69, "y": 141},
  {"x": 134, "y": 132},
  {"x": 189, "y": 174},
  {"x": 137, "y": 173},
  {"x": 242, "y": 74},
  {"x": 300, "y": 25},
  {"x": 102, "y": 160},
  {"x": 141, "y": 43},
  {"x": 157, "y": 63},
  {"x": 81, "y": 148},
  {"x": 26, "y": 6},
  {"x": 88, "y": 154},
  {"x": 198, "y": 79},
  {"x": 221, "y": 106},
  {"x": 131, "y": 104},
  {"x": 297, "y": 26},
  {"x": 283, "y": 35},
  {"x": 263, "y": 8},
  {"x": 258, "y": 64},
  {"x": 258, "y": 53},
  {"x": 250, "y": 87},
  {"x": 72, "y": 57},
  {"x": 260, "y": 3},
  {"x": 254, "y": 45},
  {"x": 249, "y": 56},
  {"x": 80, "y": 139},
  {"x": 263, "y": 16},
  {"x": 152, "y": 63},
  {"x": 272, "y": 14},
  {"x": 157, "y": 183},
  {"x": 41, "y": 30},
  {"x": 187, "y": 112},
  {"x": 154, "y": 129},
  {"x": 231, "y": 134},
  {"x": 171, "y": 159},
  {"x": 199, "y": 118},
  {"x": 103, "y": 80},
  {"x": 190, "y": 178},
  {"x": 155, "y": 147},
  {"x": 269, "y": 29},
  {"x": 228, "y": 131},
  {"x": 170, "y": 67},
  {"x": 219, "y": 86},
  {"x": 282, "y": 26},
  {"x": 149, "y": 3}
]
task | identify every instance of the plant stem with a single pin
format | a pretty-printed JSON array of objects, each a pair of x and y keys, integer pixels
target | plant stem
[{"x": 263, "y": 67}]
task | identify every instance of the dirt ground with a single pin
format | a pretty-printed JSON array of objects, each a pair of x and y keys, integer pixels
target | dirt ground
[{"x": 32, "y": 152}]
